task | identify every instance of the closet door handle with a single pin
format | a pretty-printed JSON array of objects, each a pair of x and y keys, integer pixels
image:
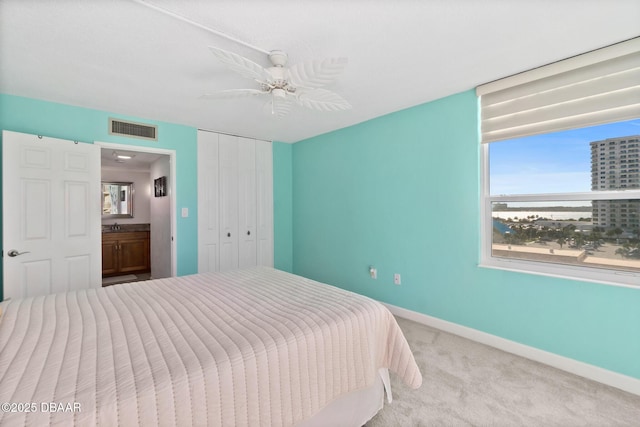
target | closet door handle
[
  {"x": 228, "y": 234},
  {"x": 248, "y": 232}
]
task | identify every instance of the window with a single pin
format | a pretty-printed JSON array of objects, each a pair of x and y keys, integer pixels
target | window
[{"x": 555, "y": 201}]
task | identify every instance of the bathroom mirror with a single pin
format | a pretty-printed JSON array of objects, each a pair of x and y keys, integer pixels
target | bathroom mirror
[{"x": 117, "y": 200}]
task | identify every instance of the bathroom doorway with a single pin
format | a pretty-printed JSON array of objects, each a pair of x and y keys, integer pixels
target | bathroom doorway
[{"x": 127, "y": 256}]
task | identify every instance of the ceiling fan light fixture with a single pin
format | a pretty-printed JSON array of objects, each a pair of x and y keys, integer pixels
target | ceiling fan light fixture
[
  {"x": 300, "y": 84},
  {"x": 279, "y": 93}
]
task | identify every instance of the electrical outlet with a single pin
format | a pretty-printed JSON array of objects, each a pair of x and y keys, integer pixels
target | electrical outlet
[
  {"x": 396, "y": 279},
  {"x": 373, "y": 272}
]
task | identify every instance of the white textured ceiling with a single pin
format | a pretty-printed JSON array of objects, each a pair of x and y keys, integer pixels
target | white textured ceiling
[{"x": 124, "y": 57}]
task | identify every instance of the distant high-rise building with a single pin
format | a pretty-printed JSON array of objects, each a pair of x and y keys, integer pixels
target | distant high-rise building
[{"x": 615, "y": 165}]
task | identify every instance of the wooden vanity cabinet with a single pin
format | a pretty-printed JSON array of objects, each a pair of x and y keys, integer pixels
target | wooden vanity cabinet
[{"x": 125, "y": 253}]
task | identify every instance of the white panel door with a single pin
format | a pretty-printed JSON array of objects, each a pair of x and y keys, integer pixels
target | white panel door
[
  {"x": 247, "y": 215},
  {"x": 228, "y": 197},
  {"x": 208, "y": 205},
  {"x": 264, "y": 203},
  {"x": 51, "y": 215}
]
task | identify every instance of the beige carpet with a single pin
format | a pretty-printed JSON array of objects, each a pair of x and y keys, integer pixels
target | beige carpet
[{"x": 470, "y": 384}]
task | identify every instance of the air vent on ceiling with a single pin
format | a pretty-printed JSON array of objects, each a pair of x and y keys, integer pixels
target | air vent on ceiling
[{"x": 132, "y": 129}]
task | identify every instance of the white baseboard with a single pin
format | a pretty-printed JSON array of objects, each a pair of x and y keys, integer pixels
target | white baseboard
[{"x": 595, "y": 373}]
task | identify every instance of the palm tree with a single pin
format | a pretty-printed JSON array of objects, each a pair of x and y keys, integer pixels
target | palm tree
[
  {"x": 595, "y": 237},
  {"x": 622, "y": 252},
  {"x": 579, "y": 239},
  {"x": 568, "y": 230},
  {"x": 618, "y": 231}
]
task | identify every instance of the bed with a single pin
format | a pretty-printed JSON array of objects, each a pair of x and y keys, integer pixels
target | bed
[{"x": 243, "y": 348}]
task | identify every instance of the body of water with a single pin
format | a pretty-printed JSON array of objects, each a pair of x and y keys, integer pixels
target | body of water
[{"x": 556, "y": 215}]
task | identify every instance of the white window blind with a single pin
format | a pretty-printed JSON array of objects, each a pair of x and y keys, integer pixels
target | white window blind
[{"x": 597, "y": 87}]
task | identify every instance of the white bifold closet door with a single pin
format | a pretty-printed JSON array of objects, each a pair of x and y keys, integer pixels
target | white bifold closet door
[
  {"x": 264, "y": 203},
  {"x": 247, "y": 203},
  {"x": 235, "y": 202},
  {"x": 229, "y": 210}
]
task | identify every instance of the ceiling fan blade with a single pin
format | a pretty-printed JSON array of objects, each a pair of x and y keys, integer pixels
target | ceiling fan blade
[
  {"x": 322, "y": 99},
  {"x": 277, "y": 107},
  {"x": 241, "y": 65},
  {"x": 316, "y": 73},
  {"x": 233, "y": 93}
]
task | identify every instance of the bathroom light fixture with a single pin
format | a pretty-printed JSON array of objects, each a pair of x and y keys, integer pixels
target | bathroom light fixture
[{"x": 123, "y": 156}]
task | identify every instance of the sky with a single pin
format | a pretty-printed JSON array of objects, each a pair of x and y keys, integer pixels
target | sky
[{"x": 558, "y": 162}]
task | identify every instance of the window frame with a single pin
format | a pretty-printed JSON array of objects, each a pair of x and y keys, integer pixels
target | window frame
[{"x": 564, "y": 271}]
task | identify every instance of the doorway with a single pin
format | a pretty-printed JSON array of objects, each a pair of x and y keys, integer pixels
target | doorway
[{"x": 151, "y": 173}]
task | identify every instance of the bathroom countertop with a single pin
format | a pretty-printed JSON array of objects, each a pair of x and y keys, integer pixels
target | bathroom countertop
[{"x": 123, "y": 228}]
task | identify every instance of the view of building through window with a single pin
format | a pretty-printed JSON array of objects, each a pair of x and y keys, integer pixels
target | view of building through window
[{"x": 570, "y": 197}]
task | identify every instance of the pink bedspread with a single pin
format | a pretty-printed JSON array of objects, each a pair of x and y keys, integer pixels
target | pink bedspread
[{"x": 243, "y": 348}]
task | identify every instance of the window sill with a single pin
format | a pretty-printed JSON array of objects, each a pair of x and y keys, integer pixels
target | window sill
[{"x": 600, "y": 276}]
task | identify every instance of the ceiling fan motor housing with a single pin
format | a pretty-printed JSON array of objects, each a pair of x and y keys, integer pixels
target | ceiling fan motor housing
[
  {"x": 278, "y": 58},
  {"x": 277, "y": 73}
]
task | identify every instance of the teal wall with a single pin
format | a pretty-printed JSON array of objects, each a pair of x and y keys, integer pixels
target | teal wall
[
  {"x": 282, "y": 207},
  {"x": 85, "y": 125},
  {"x": 401, "y": 192}
]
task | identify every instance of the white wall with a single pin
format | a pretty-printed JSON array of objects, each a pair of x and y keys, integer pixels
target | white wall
[
  {"x": 141, "y": 186},
  {"x": 160, "y": 213}
]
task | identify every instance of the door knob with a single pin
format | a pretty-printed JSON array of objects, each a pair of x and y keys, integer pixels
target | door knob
[
  {"x": 13, "y": 253},
  {"x": 248, "y": 233},
  {"x": 228, "y": 234}
]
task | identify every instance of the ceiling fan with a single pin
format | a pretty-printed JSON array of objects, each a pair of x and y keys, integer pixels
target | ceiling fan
[{"x": 301, "y": 84}]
